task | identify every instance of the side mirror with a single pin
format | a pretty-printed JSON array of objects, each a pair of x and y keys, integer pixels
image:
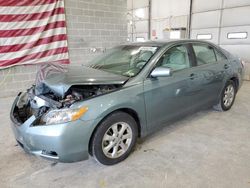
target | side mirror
[{"x": 161, "y": 72}]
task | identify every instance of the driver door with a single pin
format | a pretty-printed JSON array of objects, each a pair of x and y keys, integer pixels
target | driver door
[{"x": 167, "y": 98}]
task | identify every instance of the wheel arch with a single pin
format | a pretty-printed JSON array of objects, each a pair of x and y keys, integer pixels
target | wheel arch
[
  {"x": 129, "y": 111},
  {"x": 235, "y": 79}
]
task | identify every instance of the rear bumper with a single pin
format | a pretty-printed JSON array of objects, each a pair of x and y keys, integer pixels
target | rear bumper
[{"x": 66, "y": 142}]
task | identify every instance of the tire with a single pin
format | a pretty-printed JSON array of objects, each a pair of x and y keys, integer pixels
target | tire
[
  {"x": 114, "y": 138},
  {"x": 226, "y": 94}
]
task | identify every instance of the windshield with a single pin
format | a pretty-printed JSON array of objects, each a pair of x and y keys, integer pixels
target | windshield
[{"x": 124, "y": 60}]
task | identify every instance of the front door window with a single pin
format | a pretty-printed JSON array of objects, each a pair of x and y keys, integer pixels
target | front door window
[{"x": 176, "y": 58}]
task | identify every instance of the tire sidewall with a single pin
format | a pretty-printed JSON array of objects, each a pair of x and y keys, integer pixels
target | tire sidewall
[{"x": 101, "y": 130}]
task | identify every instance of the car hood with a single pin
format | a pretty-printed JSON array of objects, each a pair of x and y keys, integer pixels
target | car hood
[{"x": 60, "y": 83}]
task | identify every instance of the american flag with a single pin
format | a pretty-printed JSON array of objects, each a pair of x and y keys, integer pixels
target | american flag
[{"x": 32, "y": 32}]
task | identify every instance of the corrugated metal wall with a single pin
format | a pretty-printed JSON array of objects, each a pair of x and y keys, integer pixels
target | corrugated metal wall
[{"x": 222, "y": 19}]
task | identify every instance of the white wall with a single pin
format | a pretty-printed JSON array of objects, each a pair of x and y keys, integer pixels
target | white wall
[
  {"x": 167, "y": 8},
  {"x": 165, "y": 15},
  {"x": 138, "y": 26},
  {"x": 168, "y": 14}
]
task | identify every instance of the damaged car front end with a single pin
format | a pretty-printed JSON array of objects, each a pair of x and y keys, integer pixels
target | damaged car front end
[{"x": 47, "y": 118}]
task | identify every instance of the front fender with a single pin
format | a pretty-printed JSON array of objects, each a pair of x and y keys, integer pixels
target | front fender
[{"x": 128, "y": 97}]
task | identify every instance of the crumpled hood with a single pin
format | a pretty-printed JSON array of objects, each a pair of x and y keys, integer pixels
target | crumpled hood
[{"x": 60, "y": 83}]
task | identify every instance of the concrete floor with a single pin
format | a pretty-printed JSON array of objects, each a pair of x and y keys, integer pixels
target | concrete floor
[{"x": 208, "y": 149}]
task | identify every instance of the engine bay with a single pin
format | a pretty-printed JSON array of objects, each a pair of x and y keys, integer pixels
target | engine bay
[
  {"x": 30, "y": 103},
  {"x": 79, "y": 93}
]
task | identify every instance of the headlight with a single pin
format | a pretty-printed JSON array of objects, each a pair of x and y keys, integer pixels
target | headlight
[{"x": 64, "y": 115}]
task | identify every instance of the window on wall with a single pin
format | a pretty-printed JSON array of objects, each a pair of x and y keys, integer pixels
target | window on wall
[
  {"x": 204, "y": 36},
  {"x": 204, "y": 54},
  {"x": 237, "y": 35},
  {"x": 140, "y": 13},
  {"x": 175, "y": 34},
  {"x": 140, "y": 39}
]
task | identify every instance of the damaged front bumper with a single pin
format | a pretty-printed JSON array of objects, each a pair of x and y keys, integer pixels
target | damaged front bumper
[{"x": 67, "y": 142}]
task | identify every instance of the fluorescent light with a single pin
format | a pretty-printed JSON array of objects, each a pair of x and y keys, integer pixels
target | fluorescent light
[
  {"x": 204, "y": 36},
  {"x": 239, "y": 35}
]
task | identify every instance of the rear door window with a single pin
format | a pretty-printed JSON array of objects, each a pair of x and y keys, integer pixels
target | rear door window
[
  {"x": 220, "y": 56},
  {"x": 205, "y": 54}
]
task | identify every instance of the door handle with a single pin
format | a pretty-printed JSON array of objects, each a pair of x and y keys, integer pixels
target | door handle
[{"x": 226, "y": 66}]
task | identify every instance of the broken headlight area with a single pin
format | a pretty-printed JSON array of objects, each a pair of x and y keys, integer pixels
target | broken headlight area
[{"x": 51, "y": 108}]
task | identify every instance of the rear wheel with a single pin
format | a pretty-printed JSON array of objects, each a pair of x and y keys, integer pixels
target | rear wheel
[
  {"x": 227, "y": 97},
  {"x": 114, "y": 139}
]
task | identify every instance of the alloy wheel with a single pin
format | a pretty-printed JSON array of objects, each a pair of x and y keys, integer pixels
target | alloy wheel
[
  {"x": 117, "y": 140},
  {"x": 228, "y": 95}
]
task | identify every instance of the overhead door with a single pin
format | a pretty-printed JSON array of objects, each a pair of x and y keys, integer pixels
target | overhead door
[{"x": 224, "y": 22}]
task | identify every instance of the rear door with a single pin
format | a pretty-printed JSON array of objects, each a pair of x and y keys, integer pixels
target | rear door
[{"x": 210, "y": 69}]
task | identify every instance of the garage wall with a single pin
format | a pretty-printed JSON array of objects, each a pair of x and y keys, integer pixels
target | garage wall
[
  {"x": 92, "y": 25},
  {"x": 219, "y": 19},
  {"x": 168, "y": 15},
  {"x": 138, "y": 19}
]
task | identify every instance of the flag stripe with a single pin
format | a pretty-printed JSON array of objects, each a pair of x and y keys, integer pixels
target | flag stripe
[
  {"x": 25, "y": 2},
  {"x": 62, "y": 58},
  {"x": 31, "y": 24},
  {"x": 28, "y": 39},
  {"x": 47, "y": 59},
  {"x": 13, "y": 10},
  {"x": 41, "y": 48},
  {"x": 25, "y": 32},
  {"x": 62, "y": 61},
  {"x": 17, "y": 47},
  {"x": 30, "y": 17},
  {"x": 34, "y": 56}
]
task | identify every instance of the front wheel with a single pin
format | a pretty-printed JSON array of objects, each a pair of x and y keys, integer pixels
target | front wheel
[
  {"x": 227, "y": 97},
  {"x": 114, "y": 138}
]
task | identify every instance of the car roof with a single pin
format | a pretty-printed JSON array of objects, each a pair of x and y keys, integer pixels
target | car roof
[{"x": 160, "y": 43}]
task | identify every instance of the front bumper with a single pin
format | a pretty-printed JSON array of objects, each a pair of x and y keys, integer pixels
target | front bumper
[{"x": 66, "y": 142}]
